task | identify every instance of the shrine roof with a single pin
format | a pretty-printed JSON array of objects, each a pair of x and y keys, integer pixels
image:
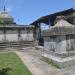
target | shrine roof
[
  {"x": 52, "y": 17},
  {"x": 60, "y": 28}
]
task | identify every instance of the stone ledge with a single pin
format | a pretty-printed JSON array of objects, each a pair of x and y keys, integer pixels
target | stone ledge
[{"x": 61, "y": 62}]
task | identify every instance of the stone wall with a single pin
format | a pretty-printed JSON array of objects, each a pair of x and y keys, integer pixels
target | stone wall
[
  {"x": 70, "y": 42},
  {"x": 12, "y": 35},
  {"x": 55, "y": 44},
  {"x": 1, "y": 35},
  {"x": 27, "y": 36},
  {"x": 15, "y": 35}
]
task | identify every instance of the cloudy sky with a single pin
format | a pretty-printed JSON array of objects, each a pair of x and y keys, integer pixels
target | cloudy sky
[{"x": 27, "y": 11}]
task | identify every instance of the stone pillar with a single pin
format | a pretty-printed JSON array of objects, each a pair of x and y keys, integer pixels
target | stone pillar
[
  {"x": 39, "y": 27},
  {"x": 49, "y": 22},
  {"x": 4, "y": 35},
  {"x": 39, "y": 33},
  {"x": 35, "y": 42},
  {"x": 19, "y": 34}
]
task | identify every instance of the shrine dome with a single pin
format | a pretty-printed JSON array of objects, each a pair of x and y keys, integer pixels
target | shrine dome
[
  {"x": 5, "y": 17},
  {"x": 62, "y": 27}
]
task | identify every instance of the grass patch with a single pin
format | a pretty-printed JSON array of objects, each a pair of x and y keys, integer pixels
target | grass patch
[
  {"x": 49, "y": 61},
  {"x": 10, "y": 64}
]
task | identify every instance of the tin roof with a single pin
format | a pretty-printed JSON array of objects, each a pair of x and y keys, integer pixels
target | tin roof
[{"x": 52, "y": 17}]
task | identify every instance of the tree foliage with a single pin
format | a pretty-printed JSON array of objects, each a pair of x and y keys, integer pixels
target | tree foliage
[{"x": 1, "y": 20}]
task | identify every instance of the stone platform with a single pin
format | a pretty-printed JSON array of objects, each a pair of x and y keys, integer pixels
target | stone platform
[{"x": 61, "y": 62}]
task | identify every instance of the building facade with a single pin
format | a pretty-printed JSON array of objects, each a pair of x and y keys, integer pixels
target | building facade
[
  {"x": 12, "y": 32},
  {"x": 59, "y": 42},
  {"x": 49, "y": 20}
]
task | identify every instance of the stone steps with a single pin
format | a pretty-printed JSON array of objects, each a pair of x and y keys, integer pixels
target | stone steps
[
  {"x": 14, "y": 44},
  {"x": 18, "y": 45},
  {"x": 3, "y": 45},
  {"x": 26, "y": 43}
]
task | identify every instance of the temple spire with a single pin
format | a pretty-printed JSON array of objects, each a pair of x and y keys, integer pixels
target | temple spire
[
  {"x": 4, "y": 8},
  {"x": 4, "y": 5}
]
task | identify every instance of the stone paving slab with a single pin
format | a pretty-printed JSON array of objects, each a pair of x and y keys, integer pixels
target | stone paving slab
[{"x": 66, "y": 71}]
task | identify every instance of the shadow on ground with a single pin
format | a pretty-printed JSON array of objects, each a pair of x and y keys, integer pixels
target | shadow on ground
[{"x": 4, "y": 71}]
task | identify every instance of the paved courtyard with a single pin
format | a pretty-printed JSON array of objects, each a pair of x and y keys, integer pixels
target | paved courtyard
[{"x": 31, "y": 58}]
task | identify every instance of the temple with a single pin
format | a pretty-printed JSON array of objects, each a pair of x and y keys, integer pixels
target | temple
[
  {"x": 50, "y": 20},
  {"x": 12, "y": 33},
  {"x": 59, "y": 39}
]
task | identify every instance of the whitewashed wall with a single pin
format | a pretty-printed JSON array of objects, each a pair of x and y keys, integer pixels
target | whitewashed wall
[
  {"x": 30, "y": 37},
  {"x": 11, "y": 35},
  {"x": 1, "y": 35},
  {"x": 26, "y": 36},
  {"x": 23, "y": 35}
]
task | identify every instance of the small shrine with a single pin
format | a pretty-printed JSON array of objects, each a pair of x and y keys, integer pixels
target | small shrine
[{"x": 59, "y": 42}]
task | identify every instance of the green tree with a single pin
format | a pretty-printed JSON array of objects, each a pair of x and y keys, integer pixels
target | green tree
[{"x": 1, "y": 20}]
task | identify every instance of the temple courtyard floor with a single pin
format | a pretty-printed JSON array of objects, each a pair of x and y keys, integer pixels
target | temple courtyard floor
[{"x": 31, "y": 58}]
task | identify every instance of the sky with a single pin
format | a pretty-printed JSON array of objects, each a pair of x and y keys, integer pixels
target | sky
[{"x": 26, "y": 11}]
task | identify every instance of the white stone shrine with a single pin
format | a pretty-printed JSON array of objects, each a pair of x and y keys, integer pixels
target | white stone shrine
[
  {"x": 59, "y": 43},
  {"x": 12, "y": 32}
]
